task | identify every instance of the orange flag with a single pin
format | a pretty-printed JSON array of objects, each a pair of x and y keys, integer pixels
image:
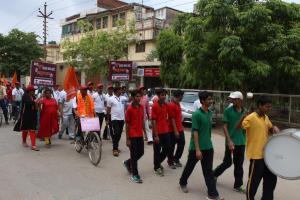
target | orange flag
[
  {"x": 14, "y": 79},
  {"x": 71, "y": 83}
]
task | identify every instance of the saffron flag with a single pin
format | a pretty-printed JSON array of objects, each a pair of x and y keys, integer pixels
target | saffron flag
[
  {"x": 14, "y": 79},
  {"x": 71, "y": 83}
]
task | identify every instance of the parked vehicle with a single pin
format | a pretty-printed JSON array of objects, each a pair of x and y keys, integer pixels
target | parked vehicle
[{"x": 187, "y": 107}]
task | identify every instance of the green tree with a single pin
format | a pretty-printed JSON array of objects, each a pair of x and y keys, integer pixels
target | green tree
[
  {"x": 95, "y": 49},
  {"x": 244, "y": 45},
  {"x": 170, "y": 52},
  {"x": 17, "y": 50}
]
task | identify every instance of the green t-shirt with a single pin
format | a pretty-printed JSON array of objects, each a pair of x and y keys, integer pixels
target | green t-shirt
[
  {"x": 202, "y": 122},
  {"x": 231, "y": 117}
]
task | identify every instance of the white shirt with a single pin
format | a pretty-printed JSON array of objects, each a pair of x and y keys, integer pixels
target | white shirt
[
  {"x": 99, "y": 100},
  {"x": 56, "y": 95},
  {"x": 18, "y": 93},
  {"x": 117, "y": 107},
  {"x": 196, "y": 105},
  {"x": 67, "y": 105}
]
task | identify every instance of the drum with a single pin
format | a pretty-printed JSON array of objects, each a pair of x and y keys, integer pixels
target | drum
[{"x": 282, "y": 154}]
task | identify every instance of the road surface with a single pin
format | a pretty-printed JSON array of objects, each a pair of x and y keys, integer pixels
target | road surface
[{"x": 60, "y": 173}]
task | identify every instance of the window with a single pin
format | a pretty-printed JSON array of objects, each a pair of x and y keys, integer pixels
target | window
[
  {"x": 122, "y": 16},
  {"x": 115, "y": 19},
  {"x": 105, "y": 22},
  {"x": 98, "y": 23},
  {"x": 140, "y": 47}
]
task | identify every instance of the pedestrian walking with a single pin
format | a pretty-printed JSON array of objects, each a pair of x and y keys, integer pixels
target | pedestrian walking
[
  {"x": 235, "y": 140},
  {"x": 116, "y": 108},
  {"x": 99, "y": 102},
  {"x": 145, "y": 103},
  {"x": 134, "y": 135},
  {"x": 177, "y": 135},
  {"x": 27, "y": 122},
  {"x": 17, "y": 94},
  {"x": 201, "y": 147},
  {"x": 3, "y": 101},
  {"x": 108, "y": 127},
  {"x": 161, "y": 132},
  {"x": 48, "y": 117},
  {"x": 67, "y": 117},
  {"x": 258, "y": 129}
]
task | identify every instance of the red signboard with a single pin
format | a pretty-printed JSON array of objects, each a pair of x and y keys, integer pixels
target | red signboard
[
  {"x": 151, "y": 72},
  {"x": 43, "y": 74},
  {"x": 120, "y": 70}
]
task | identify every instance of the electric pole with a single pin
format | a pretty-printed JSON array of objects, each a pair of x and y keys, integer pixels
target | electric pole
[{"x": 45, "y": 16}]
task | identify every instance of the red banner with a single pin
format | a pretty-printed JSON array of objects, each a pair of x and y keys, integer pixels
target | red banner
[
  {"x": 151, "y": 72},
  {"x": 120, "y": 70},
  {"x": 43, "y": 74}
]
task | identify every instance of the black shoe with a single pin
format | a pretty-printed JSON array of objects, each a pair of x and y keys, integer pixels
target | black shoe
[
  {"x": 150, "y": 142},
  {"x": 6, "y": 123},
  {"x": 127, "y": 167},
  {"x": 59, "y": 136}
]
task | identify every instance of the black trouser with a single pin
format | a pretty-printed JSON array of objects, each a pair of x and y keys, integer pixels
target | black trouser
[
  {"x": 207, "y": 165},
  {"x": 109, "y": 125},
  {"x": 161, "y": 149},
  {"x": 257, "y": 171},
  {"x": 3, "y": 105},
  {"x": 16, "y": 108},
  {"x": 136, "y": 152},
  {"x": 238, "y": 160},
  {"x": 79, "y": 134},
  {"x": 179, "y": 150},
  {"x": 101, "y": 117},
  {"x": 117, "y": 132}
]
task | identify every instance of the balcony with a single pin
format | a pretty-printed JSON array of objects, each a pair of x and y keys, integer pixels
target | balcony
[{"x": 150, "y": 23}]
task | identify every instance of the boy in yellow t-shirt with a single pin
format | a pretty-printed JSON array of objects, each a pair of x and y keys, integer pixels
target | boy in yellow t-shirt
[{"x": 258, "y": 126}]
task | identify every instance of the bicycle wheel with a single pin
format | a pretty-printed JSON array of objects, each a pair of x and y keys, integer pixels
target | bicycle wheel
[{"x": 94, "y": 147}]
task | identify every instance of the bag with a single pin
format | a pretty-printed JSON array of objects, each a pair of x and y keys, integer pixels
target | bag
[{"x": 90, "y": 124}]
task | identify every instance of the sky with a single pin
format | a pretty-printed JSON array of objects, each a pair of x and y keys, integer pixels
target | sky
[{"x": 22, "y": 14}]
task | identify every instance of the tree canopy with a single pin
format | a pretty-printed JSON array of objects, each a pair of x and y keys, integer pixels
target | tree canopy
[
  {"x": 17, "y": 50},
  {"x": 231, "y": 45}
]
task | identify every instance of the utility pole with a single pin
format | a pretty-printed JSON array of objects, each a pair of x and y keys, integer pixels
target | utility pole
[{"x": 45, "y": 16}]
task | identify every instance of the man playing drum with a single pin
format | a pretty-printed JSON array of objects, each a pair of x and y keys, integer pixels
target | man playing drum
[{"x": 258, "y": 126}]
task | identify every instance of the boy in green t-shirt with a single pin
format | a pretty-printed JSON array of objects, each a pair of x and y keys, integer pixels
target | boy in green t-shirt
[
  {"x": 201, "y": 147},
  {"x": 235, "y": 141}
]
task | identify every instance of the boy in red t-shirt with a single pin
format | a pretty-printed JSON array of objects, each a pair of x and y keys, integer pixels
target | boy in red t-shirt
[
  {"x": 135, "y": 126},
  {"x": 177, "y": 136},
  {"x": 161, "y": 132}
]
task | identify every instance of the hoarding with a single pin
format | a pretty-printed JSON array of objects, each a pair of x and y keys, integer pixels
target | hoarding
[{"x": 43, "y": 74}]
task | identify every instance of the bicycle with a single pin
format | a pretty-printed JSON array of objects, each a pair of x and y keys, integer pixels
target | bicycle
[{"x": 92, "y": 143}]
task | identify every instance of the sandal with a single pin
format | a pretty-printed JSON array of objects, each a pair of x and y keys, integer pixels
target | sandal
[{"x": 34, "y": 148}]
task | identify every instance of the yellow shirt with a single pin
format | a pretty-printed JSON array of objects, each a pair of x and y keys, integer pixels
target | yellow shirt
[{"x": 257, "y": 134}]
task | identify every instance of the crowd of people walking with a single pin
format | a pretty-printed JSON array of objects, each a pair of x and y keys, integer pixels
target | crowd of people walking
[{"x": 44, "y": 113}]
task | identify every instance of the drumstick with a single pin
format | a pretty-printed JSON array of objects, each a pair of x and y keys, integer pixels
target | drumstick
[{"x": 250, "y": 97}]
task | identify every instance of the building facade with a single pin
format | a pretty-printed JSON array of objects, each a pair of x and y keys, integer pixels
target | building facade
[{"x": 148, "y": 23}]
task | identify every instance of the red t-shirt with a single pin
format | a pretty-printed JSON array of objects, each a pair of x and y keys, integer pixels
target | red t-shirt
[
  {"x": 9, "y": 94},
  {"x": 159, "y": 113},
  {"x": 175, "y": 113},
  {"x": 134, "y": 118}
]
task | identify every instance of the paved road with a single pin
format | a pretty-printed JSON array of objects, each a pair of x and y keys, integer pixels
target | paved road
[{"x": 60, "y": 173}]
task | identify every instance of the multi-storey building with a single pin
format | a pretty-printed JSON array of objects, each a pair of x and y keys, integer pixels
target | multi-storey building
[{"x": 148, "y": 23}]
